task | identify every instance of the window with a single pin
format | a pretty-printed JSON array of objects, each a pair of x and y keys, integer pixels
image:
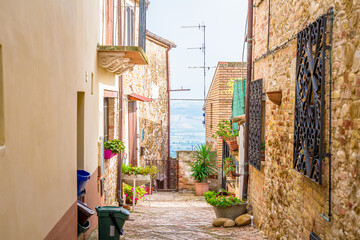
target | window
[
  {"x": 106, "y": 119},
  {"x": 310, "y": 100},
  {"x": 129, "y": 28},
  {"x": 255, "y": 123}
]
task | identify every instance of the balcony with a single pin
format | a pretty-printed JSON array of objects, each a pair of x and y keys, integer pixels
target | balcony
[{"x": 119, "y": 59}]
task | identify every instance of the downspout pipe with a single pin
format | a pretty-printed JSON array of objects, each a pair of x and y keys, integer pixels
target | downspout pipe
[
  {"x": 247, "y": 102},
  {"x": 168, "y": 115},
  {"x": 120, "y": 160}
]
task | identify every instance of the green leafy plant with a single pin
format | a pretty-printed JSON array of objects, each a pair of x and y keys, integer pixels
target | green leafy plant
[
  {"x": 229, "y": 166},
  {"x": 225, "y": 131},
  {"x": 204, "y": 163},
  {"x": 152, "y": 170},
  {"x": 262, "y": 146},
  {"x": 231, "y": 85},
  {"x": 129, "y": 193},
  {"x": 114, "y": 146},
  {"x": 223, "y": 199}
]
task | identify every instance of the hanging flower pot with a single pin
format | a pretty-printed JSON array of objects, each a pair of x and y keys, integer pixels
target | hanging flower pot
[
  {"x": 108, "y": 154},
  {"x": 275, "y": 96},
  {"x": 112, "y": 147},
  {"x": 232, "y": 143}
]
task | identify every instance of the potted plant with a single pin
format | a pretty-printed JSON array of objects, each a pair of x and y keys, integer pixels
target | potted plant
[
  {"x": 140, "y": 174},
  {"x": 225, "y": 204},
  {"x": 226, "y": 133},
  {"x": 204, "y": 164},
  {"x": 229, "y": 167},
  {"x": 112, "y": 147},
  {"x": 140, "y": 194},
  {"x": 262, "y": 152},
  {"x": 152, "y": 171}
]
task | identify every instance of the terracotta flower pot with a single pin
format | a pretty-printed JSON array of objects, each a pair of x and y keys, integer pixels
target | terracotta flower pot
[
  {"x": 275, "y": 97},
  {"x": 262, "y": 155},
  {"x": 201, "y": 188},
  {"x": 149, "y": 191},
  {"x": 108, "y": 154},
  {"x": 232, "y": 144}
]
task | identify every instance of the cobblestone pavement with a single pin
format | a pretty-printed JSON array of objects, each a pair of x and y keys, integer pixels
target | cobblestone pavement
[{"x": 180, "y": 216}]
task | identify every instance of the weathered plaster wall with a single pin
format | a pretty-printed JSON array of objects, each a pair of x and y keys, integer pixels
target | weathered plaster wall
[
  {"x": 149, "y": 81},
  {"x": 285, "y": 204},
  {"x": 46, "y": 49}
]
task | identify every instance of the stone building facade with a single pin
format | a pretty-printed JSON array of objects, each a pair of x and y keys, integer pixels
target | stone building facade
[
  {"x": 285, "y": 203},
  {"x": 219, "y": 100},
  {"x": 152, "y": 82},
  {"x": 150, "y": 85}
]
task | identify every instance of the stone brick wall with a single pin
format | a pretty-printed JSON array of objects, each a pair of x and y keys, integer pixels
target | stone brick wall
[
  {"x": 219, "y": 100},
  {"x": 186, "y": 182},
  {"x": 110, "y": 165},
  {"x": 150, "y": 81},
  {"x": 287, "y": 205}
]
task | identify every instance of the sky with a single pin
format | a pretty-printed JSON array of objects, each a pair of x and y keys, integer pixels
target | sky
[{"x": 225, "y": 29}]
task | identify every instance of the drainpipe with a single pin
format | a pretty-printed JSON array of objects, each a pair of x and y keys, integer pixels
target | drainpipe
[
  {"x": 168, "y": 120},
  {"x": 120, "y": 160},
  {"x": 247, "y": 103}
]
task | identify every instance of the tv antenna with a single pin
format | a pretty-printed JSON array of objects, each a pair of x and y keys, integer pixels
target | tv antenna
[{"x": 203, "y": 49}]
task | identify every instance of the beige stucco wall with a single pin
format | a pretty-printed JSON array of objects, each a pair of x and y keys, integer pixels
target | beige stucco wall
[{"x": 46, "y": 48}]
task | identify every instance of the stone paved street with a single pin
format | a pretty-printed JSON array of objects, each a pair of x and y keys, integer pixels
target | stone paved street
[{"x": 180, "y": 216}]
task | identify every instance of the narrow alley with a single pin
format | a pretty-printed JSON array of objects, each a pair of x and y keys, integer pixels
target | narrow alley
[{"x": 170, "y": 215}]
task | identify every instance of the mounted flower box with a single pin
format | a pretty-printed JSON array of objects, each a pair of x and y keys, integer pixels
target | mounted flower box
[
  {"x": 232, "y": 143},
  {"x": 108, "y": 154},
  {"x": 228, "y": 134},
  {"x": 112, "y": 147},
  {"x": 275, "y": 97},
  {"x": 139, "y": 179}
]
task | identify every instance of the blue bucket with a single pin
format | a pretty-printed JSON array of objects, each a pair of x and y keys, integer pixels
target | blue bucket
[{"x": 82, "y": 177}]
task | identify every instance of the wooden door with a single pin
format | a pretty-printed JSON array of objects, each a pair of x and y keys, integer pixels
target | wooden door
[{"x": 132, "y": 134}]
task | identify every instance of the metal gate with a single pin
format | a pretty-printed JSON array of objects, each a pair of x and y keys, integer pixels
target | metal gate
[{"x": 167, "y": 178}]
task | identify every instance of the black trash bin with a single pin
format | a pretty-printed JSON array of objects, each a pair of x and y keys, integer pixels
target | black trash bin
[
  {"x": 84, "y": 212},
  {"x": 111, "y": 221}
]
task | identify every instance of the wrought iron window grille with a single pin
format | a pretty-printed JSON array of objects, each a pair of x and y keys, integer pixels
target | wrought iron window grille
[
  {"x": 310, "y": 100},
  {"x": 255, "y": 123}
]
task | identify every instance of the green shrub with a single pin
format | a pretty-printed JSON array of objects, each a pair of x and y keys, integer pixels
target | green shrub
[{"x": 219, "y": 200}]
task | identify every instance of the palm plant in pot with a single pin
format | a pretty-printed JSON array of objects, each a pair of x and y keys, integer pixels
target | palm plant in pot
[
  {"x": 112, "y": 147},
  {"x": 202, "y": 167}
]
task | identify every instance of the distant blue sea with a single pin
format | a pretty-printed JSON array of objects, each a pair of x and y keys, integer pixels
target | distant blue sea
[{"x": 186, "y": 128}]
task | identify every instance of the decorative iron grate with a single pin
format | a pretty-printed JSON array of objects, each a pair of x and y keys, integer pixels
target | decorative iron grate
[
  {"x": 309, "y": 99},
  {"x": 313, "y": 236},
  {"x": 255, "y": 123}
]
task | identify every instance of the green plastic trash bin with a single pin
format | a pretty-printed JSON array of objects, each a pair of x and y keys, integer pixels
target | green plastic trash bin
[{"x": 111, "y": 221}]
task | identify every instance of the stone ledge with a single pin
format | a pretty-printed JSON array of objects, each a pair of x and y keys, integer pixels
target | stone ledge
[{"x": 119, "y": 59}]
